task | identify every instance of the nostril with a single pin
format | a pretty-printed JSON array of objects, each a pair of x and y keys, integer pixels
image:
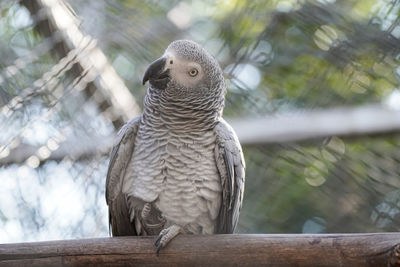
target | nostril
[{"x": 171, "y": 62}]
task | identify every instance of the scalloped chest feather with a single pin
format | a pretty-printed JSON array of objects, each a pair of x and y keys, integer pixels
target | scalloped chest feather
[{"x": 177, "y": 170}]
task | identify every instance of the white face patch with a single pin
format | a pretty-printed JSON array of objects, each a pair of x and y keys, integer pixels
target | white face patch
[{"x": 186, "y": 73}]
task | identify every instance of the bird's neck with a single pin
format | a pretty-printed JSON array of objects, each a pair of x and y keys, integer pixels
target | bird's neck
[{"x": 188, "y": 114}]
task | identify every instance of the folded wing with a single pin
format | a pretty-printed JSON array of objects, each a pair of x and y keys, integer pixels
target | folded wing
[
  {"x": 119, "y": 209},
  {"x": 231, "y": 165}
]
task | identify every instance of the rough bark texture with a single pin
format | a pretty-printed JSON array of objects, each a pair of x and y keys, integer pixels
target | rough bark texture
[{"x": 375, "y": 249}]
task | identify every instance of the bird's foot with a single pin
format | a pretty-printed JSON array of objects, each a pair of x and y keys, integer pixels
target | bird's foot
[
  {"x": 146, "y": 210},
  {"x": 166, "y": 235},
  {"x": 151, "y": 219}
]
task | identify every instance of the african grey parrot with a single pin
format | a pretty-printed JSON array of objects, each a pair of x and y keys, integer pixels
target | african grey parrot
[{"x": 179, "y": 167}]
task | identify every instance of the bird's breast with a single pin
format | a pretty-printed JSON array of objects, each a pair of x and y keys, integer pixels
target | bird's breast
[{"x": 178, "y": 172}]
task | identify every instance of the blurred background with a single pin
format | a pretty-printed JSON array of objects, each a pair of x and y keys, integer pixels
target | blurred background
[{"x": 313, "y": 93}]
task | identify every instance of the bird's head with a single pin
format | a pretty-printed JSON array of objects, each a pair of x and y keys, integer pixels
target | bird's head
[{"x": 186, "y": 69}]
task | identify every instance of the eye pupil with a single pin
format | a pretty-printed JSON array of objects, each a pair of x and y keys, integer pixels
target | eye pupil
[{"x": 193, "y": 72}]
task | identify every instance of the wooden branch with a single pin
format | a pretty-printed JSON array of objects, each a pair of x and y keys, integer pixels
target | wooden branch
[
  {"x": 55, "y": 16},
  {"x": 303, "y": 125},
  {"x": 317, "y": 123},
  {"x": 375, "y": 249},
  {"x": 74, "y": 148}
]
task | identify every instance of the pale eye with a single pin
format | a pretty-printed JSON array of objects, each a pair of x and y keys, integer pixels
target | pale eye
[{"x": 193, "y": 72}]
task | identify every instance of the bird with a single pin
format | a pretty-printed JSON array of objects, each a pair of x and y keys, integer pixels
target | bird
[{"x": 179, "y": 167}]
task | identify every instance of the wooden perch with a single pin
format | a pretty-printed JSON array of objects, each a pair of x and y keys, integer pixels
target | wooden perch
[{"x": 375, "y": 249}]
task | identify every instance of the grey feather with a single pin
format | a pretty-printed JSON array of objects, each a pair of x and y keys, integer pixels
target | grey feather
[
  {"x": 230, "y": 163},
  {"x": 180, "y": 164},
  {"x": 119, "y": 158},
  {"x": 120, "y": 214}
]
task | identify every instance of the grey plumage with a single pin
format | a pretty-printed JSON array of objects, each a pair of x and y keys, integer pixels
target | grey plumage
[{"x": 178, "y": 168}]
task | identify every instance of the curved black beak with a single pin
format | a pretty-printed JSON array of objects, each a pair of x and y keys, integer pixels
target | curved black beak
[{"x": 155, "y": 74}]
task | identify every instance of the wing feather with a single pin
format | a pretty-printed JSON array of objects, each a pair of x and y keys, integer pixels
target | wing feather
[
  {"x": 231, "y": 165},
  {"x": 120, "y": 213}
]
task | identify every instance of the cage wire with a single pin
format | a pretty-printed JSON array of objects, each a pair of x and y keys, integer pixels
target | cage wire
[{"x": 59, "y": 111}]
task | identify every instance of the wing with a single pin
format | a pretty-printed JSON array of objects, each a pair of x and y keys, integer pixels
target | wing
[
  {"x": 231, "y": 165},
  {"x": 118, "y": 207}
]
